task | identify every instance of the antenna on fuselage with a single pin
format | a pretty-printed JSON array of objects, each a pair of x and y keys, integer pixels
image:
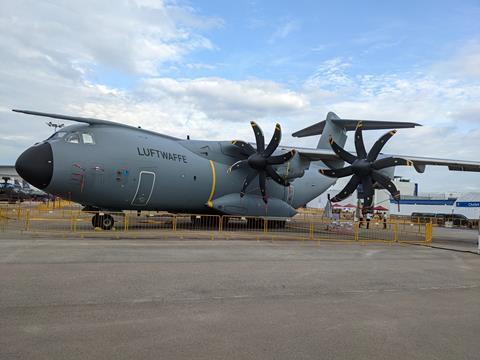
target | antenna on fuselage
[{"x": 55, "y": 126}]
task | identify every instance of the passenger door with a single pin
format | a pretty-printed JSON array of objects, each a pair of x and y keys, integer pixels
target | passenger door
[{"x": 146, "y": 183}]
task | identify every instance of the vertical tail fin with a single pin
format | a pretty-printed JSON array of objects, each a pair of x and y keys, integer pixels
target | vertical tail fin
[
  {"x": 334, "y": 130},
  {"x": 329, "y": 129}
]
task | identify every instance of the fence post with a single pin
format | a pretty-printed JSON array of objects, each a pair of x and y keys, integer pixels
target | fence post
[
  {"x": 3, "y": 220},
  {"x": 125, "y": 222},
  {"x": 428, "y": 232},
  {"x": 395, "y": 232},
  {"x": 311, "y": 230},
  {"x": 220, "y": 222},
  {"x": 356, "y": 230},
  {"x": 27, "y": 219},
  {"x": 174, "y": 223},
  {"x": 265, "y": 225}
]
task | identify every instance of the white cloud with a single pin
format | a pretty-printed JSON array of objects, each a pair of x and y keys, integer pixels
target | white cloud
[
  {"x": 464, "y": 63},
  {"x": 133, "y": 36},
  {"x": 283, "y": 30},
  {"x": 330, "y": 75},
  {"x": 222, "y": 99}
]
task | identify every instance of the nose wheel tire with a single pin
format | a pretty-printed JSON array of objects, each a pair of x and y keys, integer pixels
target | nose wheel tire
[{"x": 104, "y": 221}]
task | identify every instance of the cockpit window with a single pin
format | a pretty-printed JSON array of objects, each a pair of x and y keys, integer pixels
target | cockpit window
[
  {"x": 58, "y": 135},
  {"x": 87, "y": 138},
  {"x": 73, "y": 138},
  {"x": 79, "y": 138}
]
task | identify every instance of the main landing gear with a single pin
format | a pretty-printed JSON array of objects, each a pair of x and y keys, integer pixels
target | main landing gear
[{"x": 103, "y": 221}]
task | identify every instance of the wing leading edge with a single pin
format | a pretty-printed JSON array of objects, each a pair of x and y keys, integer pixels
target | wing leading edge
[
  {"x": 90, "y": 121},
  {"x": 418, "y": 162}
]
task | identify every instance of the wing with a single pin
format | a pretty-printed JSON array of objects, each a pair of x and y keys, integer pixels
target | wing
[
  {"x": 312, "y": 154},
  {"x": 419, "y": 162},
  {"x": 90, "y": 121}
]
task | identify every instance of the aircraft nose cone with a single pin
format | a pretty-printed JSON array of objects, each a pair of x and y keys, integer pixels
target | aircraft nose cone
[{"x": 35, "y": 165}]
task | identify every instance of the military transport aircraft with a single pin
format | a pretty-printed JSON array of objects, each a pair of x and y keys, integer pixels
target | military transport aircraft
[{"x": 108, "y": 166}]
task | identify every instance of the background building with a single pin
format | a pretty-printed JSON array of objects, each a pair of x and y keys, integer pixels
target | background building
[{"x": 467, "y": 204}]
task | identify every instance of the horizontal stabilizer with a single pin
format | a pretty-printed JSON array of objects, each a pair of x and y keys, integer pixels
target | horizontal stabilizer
[{"x": 351, "y": 124}]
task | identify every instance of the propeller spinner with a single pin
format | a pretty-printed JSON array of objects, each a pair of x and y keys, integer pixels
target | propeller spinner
[
  {"x": 364, "y": 168},
  {"x": 260, "y": 161}
]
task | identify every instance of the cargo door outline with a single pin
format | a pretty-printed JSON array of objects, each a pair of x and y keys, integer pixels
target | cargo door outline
[{"x": 144, "y": 182}]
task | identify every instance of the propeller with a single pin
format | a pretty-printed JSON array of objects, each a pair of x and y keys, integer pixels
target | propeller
[
  {"x": 260, "y": 161},
  {"x": 364, "y": 168}
]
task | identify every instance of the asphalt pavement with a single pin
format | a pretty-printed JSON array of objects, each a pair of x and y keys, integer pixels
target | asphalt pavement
[{"x": 202, "y": 299}]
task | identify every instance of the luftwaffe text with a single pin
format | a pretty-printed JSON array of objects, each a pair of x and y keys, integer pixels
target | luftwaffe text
[{"x": 161, "y": 154}]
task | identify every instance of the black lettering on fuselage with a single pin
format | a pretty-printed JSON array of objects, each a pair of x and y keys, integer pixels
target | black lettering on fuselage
[{"x": 150, "y": 152}]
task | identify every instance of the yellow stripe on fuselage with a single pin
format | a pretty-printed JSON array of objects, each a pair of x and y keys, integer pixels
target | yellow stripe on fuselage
[{"x": 214, "y": 184}]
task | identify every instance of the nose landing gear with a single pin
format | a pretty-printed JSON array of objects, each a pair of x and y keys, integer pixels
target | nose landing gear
[{"x": 103, "y": 221}]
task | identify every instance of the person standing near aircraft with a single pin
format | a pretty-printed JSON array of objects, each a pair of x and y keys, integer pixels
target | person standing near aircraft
[{"x": 369, "y": 218}]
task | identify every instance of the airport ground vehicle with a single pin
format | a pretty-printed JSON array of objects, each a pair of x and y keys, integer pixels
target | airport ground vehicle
[
  {"x": 10, "y": 193},
  {"x": 442, "y": 218}
]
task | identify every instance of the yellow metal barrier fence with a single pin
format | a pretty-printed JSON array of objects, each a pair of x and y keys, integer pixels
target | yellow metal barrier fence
[{"x": 313, "y": 227}]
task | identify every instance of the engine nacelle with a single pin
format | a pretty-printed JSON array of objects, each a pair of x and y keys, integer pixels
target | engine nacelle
[{"x": 253, "y": 205}]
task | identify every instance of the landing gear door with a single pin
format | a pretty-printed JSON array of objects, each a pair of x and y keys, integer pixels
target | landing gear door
[{"x": 146, "y": 182}]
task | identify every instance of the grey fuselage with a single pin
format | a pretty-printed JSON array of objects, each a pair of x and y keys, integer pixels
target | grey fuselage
[{"x": 121, "y": 168}]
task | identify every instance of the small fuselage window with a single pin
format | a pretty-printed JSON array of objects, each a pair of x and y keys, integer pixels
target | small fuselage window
[{"x": 87, "y": 138}]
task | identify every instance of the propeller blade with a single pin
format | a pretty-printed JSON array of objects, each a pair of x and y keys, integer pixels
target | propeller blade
[
  {"x": 377, "y": 147},
  {"x": 368, "y": 191},
  {"x": 347, "y": 190},
  {"x": 247, "y": 182},
  {"x": 259, "y": 138},
  {"x": 245, "y": 147},
  {"x": 389, "y": 162},
  {"x": 280, "y": 159},
  {"x": 274, "y": 142},
  {"x": 359, "y": 145},
  {"x": 386, "y": 183},
  {"x": 261, "y": 181},
  {"x": 238, "y": 165},
  {"x": 275, "y": 177},
  {"x": 337, "y": 173},
  {"x": 343, "y": 154}
]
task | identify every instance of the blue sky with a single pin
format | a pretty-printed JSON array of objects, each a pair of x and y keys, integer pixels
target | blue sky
[
  {"x": 206, "y": 68},
  {"x": 286, "y": 41}
]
